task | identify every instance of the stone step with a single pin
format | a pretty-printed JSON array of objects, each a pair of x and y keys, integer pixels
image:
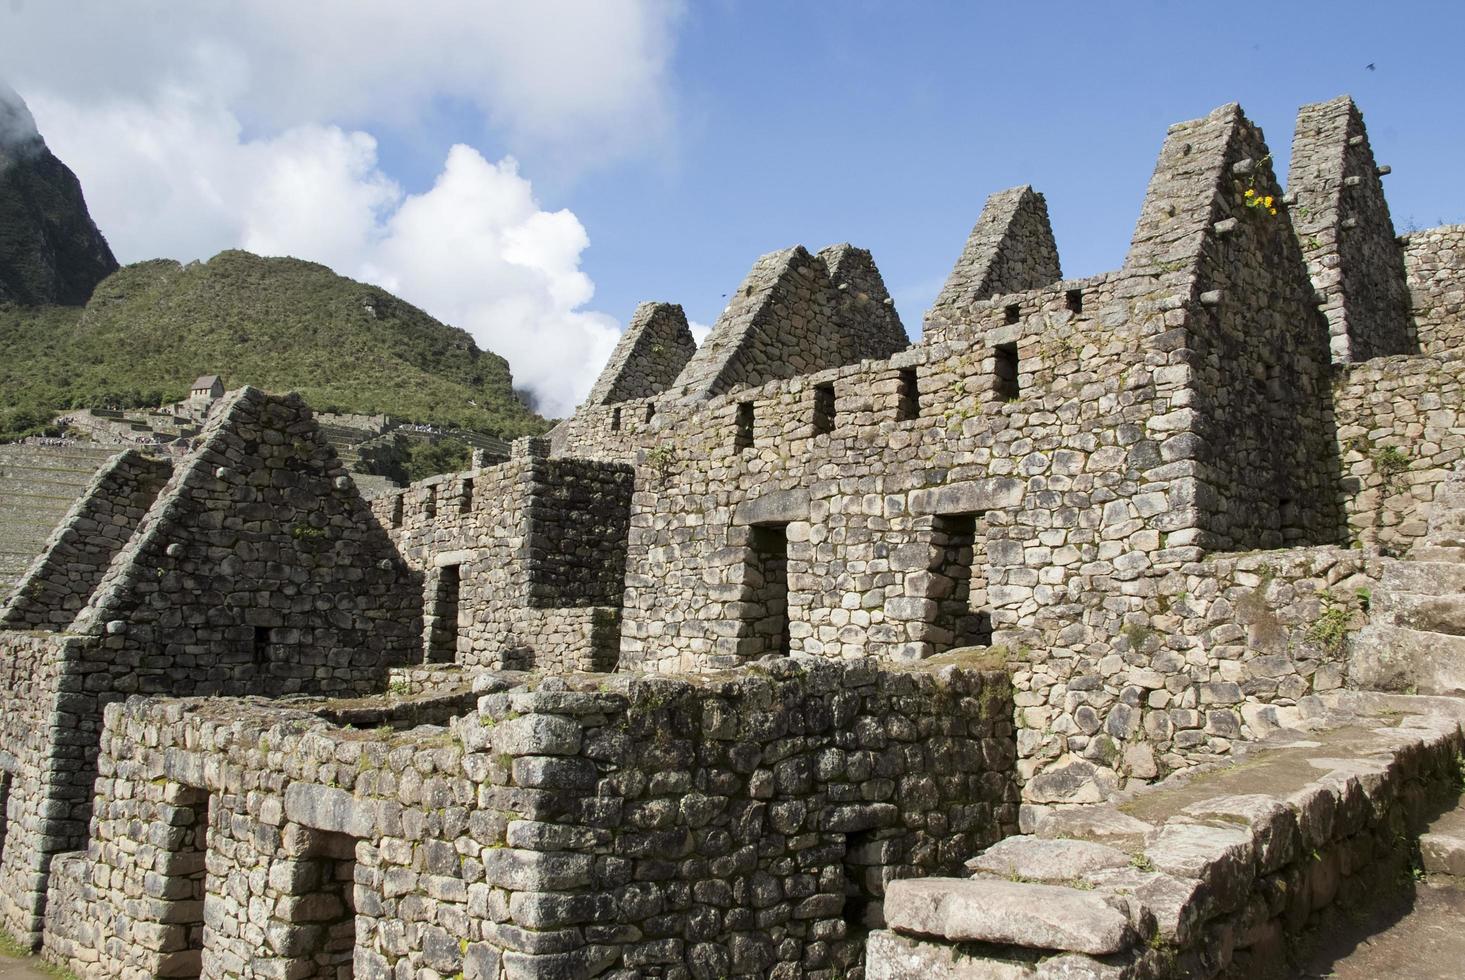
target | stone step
[
  {"x": 1442, "y": 847},
  {"x": 1427, "y": 613},
  {"x": 1436, "y": 553},
  {"x": 1384, "y": 657},
  {"x": 1424, "y": 577}
]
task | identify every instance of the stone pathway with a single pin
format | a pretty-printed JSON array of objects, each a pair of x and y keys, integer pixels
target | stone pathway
[
  {"x": 1422, "y": 940},
  {"x": 22, "y": 969}
]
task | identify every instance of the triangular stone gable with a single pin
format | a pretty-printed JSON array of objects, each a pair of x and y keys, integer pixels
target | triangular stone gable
[
  {"x": 788, "y": 318},
  {"x": 259, "y": 569},
  {"x": 651, "y": 353},
  {"x": 1010, "y": 249},
  {"x": 868, "y": 320},
  {"x": 1347, "y": 236},
  {"x": 80, "y": 550},
  {"x": 1254, "y": 344}
]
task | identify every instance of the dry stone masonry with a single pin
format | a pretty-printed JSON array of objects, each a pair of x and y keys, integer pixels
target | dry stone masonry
[{"x": 811, "y": 651}]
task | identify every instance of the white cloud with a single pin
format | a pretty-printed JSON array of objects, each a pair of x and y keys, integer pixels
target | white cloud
[
  {"x": 209, "y": 125},
  {"x": 580, "y": 78},
  {"x": 699, "y": 331},
  {"x": 177, "y": 178}
]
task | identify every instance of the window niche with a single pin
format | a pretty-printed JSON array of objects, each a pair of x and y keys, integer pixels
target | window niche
[
  {"x": 1005, "y": 372},
  {"x": 908, "y": 396},
  {"x": 824, "y": 408},
  {"x": 743, "y": 433}
]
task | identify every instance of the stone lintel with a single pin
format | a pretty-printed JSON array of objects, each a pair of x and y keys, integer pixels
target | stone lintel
[
  {"x": 969, "y": 497},
  {"x": 779, "y": 507}
]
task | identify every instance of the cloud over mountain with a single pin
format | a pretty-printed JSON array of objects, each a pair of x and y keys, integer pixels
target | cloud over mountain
[{"x": 211, "y": 125}]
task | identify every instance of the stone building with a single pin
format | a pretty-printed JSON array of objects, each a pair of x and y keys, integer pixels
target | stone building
[
  {"x": 775, "y": 623},
  {"x": 205, "y": 390}
]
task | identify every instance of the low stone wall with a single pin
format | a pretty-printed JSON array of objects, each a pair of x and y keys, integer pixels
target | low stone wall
[
  {"x": 1211, "y": 875},
  {"x": 1222, "y": 653},
  {"x": 740, "y": 823},
  {"x": 1401, "y": 430}
]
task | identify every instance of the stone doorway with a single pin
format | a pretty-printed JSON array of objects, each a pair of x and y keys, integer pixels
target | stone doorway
[{"x": 959, "y": 583}]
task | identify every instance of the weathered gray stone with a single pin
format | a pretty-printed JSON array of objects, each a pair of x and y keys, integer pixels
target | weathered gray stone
[{"x": 985, "y": 910}]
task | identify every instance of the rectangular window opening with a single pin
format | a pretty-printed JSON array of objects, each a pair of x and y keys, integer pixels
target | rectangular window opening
[
  {"x": 650, "y": 412},
  {"x": 1011, "y": 314},
  {"x": 909, "y": 405},
  {"x": 429, "y": 503},
  {"x": 4, "y": 810},
  {"x": 1073, "y": 299},
  {"x": 824, "y": 408},
  {"x": 867, "y": 854},
  {"x": 465, "y": 500},
  {"x": 396, "y": 510},
  {"x": 960, "y": 583},
  {"x": 1005, "y": 375},
  {"x": 615, "y": 420},
  {"x": 442, "y": 616},
  {"x": 261, "y": 646},
  {"x": 767, "y": 590},
  {"x": 743, "y": 437}
]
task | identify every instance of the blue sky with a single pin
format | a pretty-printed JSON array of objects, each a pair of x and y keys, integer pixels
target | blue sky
[
  {"x": 662, "y": 146},
  {"x": 888, "y": 124}
]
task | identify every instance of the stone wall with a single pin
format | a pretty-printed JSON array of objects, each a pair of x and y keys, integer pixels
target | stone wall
[
  {"x": 1222, "y": 652},
  {"x": 45, "y": 807},
  {"x": 1047, "y": 477},
  {"x": 1401, "y": 430},
  {"x": 1435, "y": 264},
  {"x": 259, "y": 569},
  {"x": 523, "y": 563},
  {"x": 83, "y": 545},
  {"x": 1220, "y": 876},
  {"x": 732, "y": 824},
  {"x": 1342, "y": 222}
]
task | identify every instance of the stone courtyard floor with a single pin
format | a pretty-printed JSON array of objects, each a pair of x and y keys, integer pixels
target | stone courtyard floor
[
  {"x": 1421, "y": 940},
  {"x": 28, "y": 968}
]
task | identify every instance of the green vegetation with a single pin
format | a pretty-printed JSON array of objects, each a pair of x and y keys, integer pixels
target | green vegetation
[
  {"x": 444, "y": 456},
  {"x": 278, "y": 324}
]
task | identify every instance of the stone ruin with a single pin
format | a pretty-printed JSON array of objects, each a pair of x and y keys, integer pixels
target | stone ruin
[{"x": 808, "y": 652}]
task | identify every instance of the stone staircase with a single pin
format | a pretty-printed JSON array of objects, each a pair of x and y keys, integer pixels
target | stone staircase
[
  {"x": 38, "y": 485},
  {"x": 1416, "y": 640}
]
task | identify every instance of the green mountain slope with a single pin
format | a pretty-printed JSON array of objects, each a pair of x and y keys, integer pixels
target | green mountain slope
[{"x": 279, "y": 324}]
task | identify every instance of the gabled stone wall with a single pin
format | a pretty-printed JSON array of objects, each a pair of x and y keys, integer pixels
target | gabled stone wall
[
  {"x": 791, "y": 316},
  {"x": 651, "y": 353},
  {"x": 1342, "y": 222},
  {"x": 257, "y": 570},
  {"x": 1435, "y": 264},
  {"x": 1010, "y": 250},
  {"x": 82, "y": 547}
]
